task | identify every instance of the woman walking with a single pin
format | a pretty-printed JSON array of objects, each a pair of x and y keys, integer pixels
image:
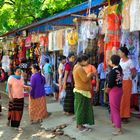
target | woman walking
[
  {"x": 37, "y": 98},
  {"x": 82, "y": 103},
  {"x": 16, "y": 95},
  {"x": 129, "y": 72},
  {"x": 115, "y": 93}
]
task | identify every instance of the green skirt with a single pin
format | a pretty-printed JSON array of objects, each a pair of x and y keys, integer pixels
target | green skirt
[{"x": 83, "y": 110}]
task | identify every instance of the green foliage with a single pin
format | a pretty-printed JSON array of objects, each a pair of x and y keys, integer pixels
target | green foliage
[{"x": 18, "y": 13}]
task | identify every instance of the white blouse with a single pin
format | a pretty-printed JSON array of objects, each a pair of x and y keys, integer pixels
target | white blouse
[{"x": 126, "y": 67}]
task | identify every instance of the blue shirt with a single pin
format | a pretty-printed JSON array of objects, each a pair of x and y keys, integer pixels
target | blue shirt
[{"x": 101, "y": 71}]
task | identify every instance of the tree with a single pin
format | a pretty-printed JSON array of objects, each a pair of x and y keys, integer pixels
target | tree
[{"x": 18, "y": 13}]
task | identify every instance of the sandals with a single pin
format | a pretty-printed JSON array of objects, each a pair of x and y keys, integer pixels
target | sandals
[
  {"x": 35, "y": 122},
  {"x": 19, "y": 129},
  {"x": 84, "y": 129},
  {"x": 116, "y": 133}
]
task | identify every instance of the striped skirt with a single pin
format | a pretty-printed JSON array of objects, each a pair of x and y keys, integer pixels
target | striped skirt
[
  {"x": 37, "y": 108},
  {"x": 69, "y": 99},
  {"x": 83, "y": 110},
  {"x": 0, "y": 104},
  {"x": 15, "y": 112}
]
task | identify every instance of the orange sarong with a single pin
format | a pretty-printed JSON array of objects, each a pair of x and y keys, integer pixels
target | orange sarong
[
  {"x": 126, "y": 99},
  {"x": 37, "y": 108}
]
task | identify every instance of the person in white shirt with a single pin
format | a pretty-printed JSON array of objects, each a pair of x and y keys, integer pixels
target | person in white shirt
[{"x": 129, "y": 72}]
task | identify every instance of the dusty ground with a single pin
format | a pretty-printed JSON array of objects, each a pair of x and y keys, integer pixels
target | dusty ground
[{"x": 30, "y": 132}]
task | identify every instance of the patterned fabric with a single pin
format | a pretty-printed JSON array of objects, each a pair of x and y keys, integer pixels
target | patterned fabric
[
  {"x": 69, "y": 99},
  {"x": 15, "y": 112},
  {"x": 0, "y": 104},
  {"x": 37, "y": 108}
]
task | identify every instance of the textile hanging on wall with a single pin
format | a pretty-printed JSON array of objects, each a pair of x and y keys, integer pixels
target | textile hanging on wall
[
  {"x": 112, "y": 36},
  {"x": 22, "y": 50},
  {"x": 132, "y": 43},
  {"x": 60, "y": 39},
  {"x": 100, "y": 44},
  {"x": 28, "y": 41},
  {"x": 126, "y": 15},
  {"x": 56, "y": 40},
  {"x": 50, "y": 46},
  {"x": 5, "y": 62},
  {"x": 66, "y": 47},
  {"x": 87, "y": 31},
  {"x": 72, "y": 37},
  {"x": 135, "y": 15},
  {"x": 35, "y": 37}
]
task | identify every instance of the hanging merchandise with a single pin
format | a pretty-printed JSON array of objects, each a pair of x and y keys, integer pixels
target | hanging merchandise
[
  {"x": 54, "y": 41},
  {"x": 135, "y": 15},
  {"x": 37, "y": 50},
  {"x": 31, "y": 53},
  {"x": 50, "y": 46},
  {"x": 35, "y": 37},
  {"x": 60, "y": 39},
  {"x": 131, "y": 40},
  {"x": 22, "y": 50},
  {"x": 100, "y": 44},
  {"x": 5, "y": 62},
  {"x": 27, "y": 54},
  {"x": 28, "y": 41},
  {"x": 43, "y": 40},
  {"x": 101, "y": 21},
  {"x": 126, "y": 15},
  {"x": 72, "y": 37},
  {"x": 112, "y": 35},
  {"x": 66, "y": 44}
]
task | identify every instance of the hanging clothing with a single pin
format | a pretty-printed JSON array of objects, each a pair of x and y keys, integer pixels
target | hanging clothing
[
  {"x": 28, "y": 41},
  {"x": 134, "y": 14},
  {"x": 126, "y": 15},
  {"x": 112, "y": 36}
]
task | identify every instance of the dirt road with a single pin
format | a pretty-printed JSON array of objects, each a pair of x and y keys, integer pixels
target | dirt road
[{"x": 30, "y": 132}]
